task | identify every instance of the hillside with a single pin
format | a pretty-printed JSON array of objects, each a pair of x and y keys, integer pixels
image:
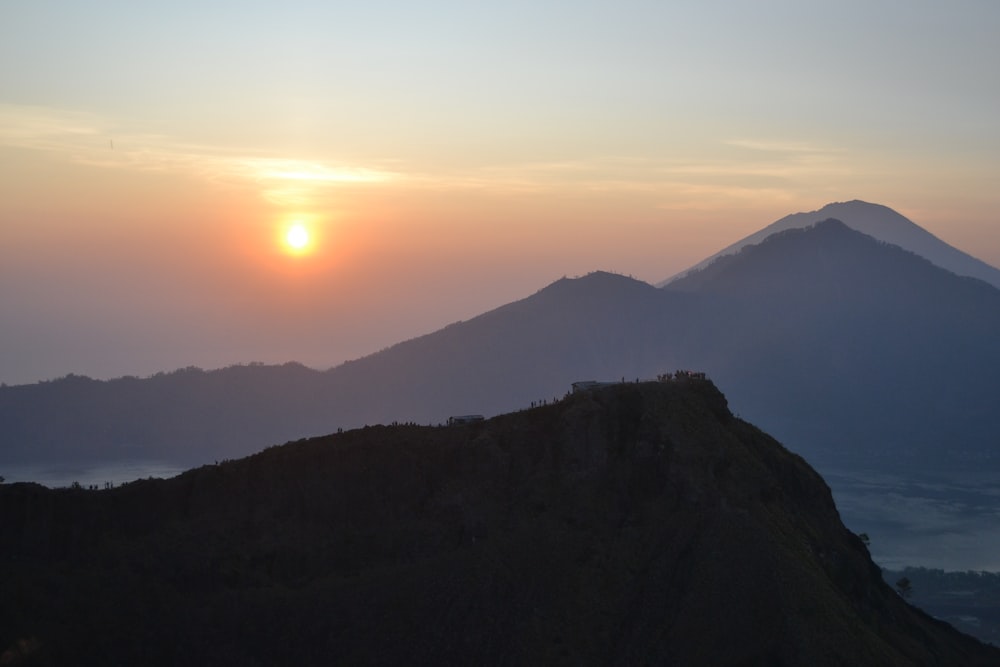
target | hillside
[
  {"x": 600, "y": 325},
  {"x": 188, "y": 416},
  {"x": 637, "y": 524}
]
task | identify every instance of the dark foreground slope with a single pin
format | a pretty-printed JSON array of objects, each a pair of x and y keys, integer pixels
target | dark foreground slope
[{"x": 637, "y": 524}]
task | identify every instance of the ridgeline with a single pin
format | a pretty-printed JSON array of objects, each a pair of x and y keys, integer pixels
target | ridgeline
[{"x": 625, "y": 525}]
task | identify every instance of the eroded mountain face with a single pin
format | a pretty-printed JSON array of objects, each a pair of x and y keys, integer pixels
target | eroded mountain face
[{"x": 638, "y": 523}]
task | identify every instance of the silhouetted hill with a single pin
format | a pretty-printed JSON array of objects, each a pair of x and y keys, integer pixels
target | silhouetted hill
[
  {"x": 879, "y": 222},
  {"x": 529, "y": 350},
  {"x": 636, "y": 524},
  {"x": 188, "y": 416},
  {"x": 857, "y": 347}
]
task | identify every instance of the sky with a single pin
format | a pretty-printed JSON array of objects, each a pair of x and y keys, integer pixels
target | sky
[{"x": 444, "y": 158}]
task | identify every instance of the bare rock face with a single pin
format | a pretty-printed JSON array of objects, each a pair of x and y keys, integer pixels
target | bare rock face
[{"x": 632, "y": 524}]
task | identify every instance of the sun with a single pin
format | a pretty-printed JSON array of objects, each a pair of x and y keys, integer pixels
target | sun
[{"x": 297, "y": 236}]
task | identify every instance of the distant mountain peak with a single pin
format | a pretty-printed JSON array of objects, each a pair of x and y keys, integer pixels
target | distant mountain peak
[
  {"x": 825, "y": 255},
  {"x": 595, "y": 283},
  {"x": 878, "y": 221},
  {"x": 597, "y": 277}
]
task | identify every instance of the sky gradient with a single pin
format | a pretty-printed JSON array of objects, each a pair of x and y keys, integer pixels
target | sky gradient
[{"x": 446, "y": 158}]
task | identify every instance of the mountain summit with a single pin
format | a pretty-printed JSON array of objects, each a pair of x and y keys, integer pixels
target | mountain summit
[
  {"x": 639, "y": 523},
  {"x": 877, "y": 221}
]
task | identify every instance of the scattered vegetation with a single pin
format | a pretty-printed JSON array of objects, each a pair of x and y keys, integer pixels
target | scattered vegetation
[
  {"x": 968, "y": 600},
  {"x": 904, "y": 587},
  {"x": 639, "y": 523}
]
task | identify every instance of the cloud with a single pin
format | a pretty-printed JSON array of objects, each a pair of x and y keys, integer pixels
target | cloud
[
  {"x": 738, "y": 170},
  {"x": 771, "y": 165},
  {"x": 772, "y": 146},
  {"x": 93, "y": 140},
  {"x": 48, "y": 129}
]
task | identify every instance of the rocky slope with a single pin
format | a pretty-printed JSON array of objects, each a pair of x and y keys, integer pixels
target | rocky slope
[{"x": 635, "y": 524}]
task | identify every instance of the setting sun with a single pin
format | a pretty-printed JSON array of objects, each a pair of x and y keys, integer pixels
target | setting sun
[{"x": 297, "y": 238}]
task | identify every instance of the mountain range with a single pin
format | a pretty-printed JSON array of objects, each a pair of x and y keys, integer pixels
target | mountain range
[
  {"x": 638, "y": 523},
  {"x": 849, "y": 349}
]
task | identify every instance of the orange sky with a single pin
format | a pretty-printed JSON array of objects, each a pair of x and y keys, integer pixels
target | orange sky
[{"x": 446, "y": 161}]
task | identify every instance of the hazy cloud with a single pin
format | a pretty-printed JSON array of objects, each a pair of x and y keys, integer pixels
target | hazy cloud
[
  {"x": 92, "y": 140},
  {"x": 740, "y": 170},
  {"x": 772, "y": 146}
]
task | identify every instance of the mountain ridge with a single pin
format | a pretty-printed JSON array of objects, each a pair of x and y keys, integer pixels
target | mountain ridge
[
  {"x": 858, "y": 355},
  {"x": 826, "y": 301},
  {"x": 641, "y": 523}
]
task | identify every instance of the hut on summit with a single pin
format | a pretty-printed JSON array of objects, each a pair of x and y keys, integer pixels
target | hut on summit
[
  {"x": 464, "y": 419},
  {"x": 587, "y": 385}
]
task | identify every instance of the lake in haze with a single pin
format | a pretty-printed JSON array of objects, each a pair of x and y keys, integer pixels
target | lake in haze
[
  {"x": 57, "y": 475},
  {"x": 945, "y": 521}
]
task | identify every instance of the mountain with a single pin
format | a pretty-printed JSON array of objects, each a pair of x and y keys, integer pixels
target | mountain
[
  {"x": 880, "y": 222},
  {"x": 641, "y": 523},
  {"x": 601, "y": 325},
  {"x": 503, "y": 360},
  {"x": 853, "y": 348},
  {"x": 188, "y": 416},
  {"x": 847, "y": 348}
]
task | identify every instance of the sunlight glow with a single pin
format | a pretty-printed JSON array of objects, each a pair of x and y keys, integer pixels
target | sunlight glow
[
  {"x": 301, "y": 171},
  {"x": 297, "y": 238}
]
